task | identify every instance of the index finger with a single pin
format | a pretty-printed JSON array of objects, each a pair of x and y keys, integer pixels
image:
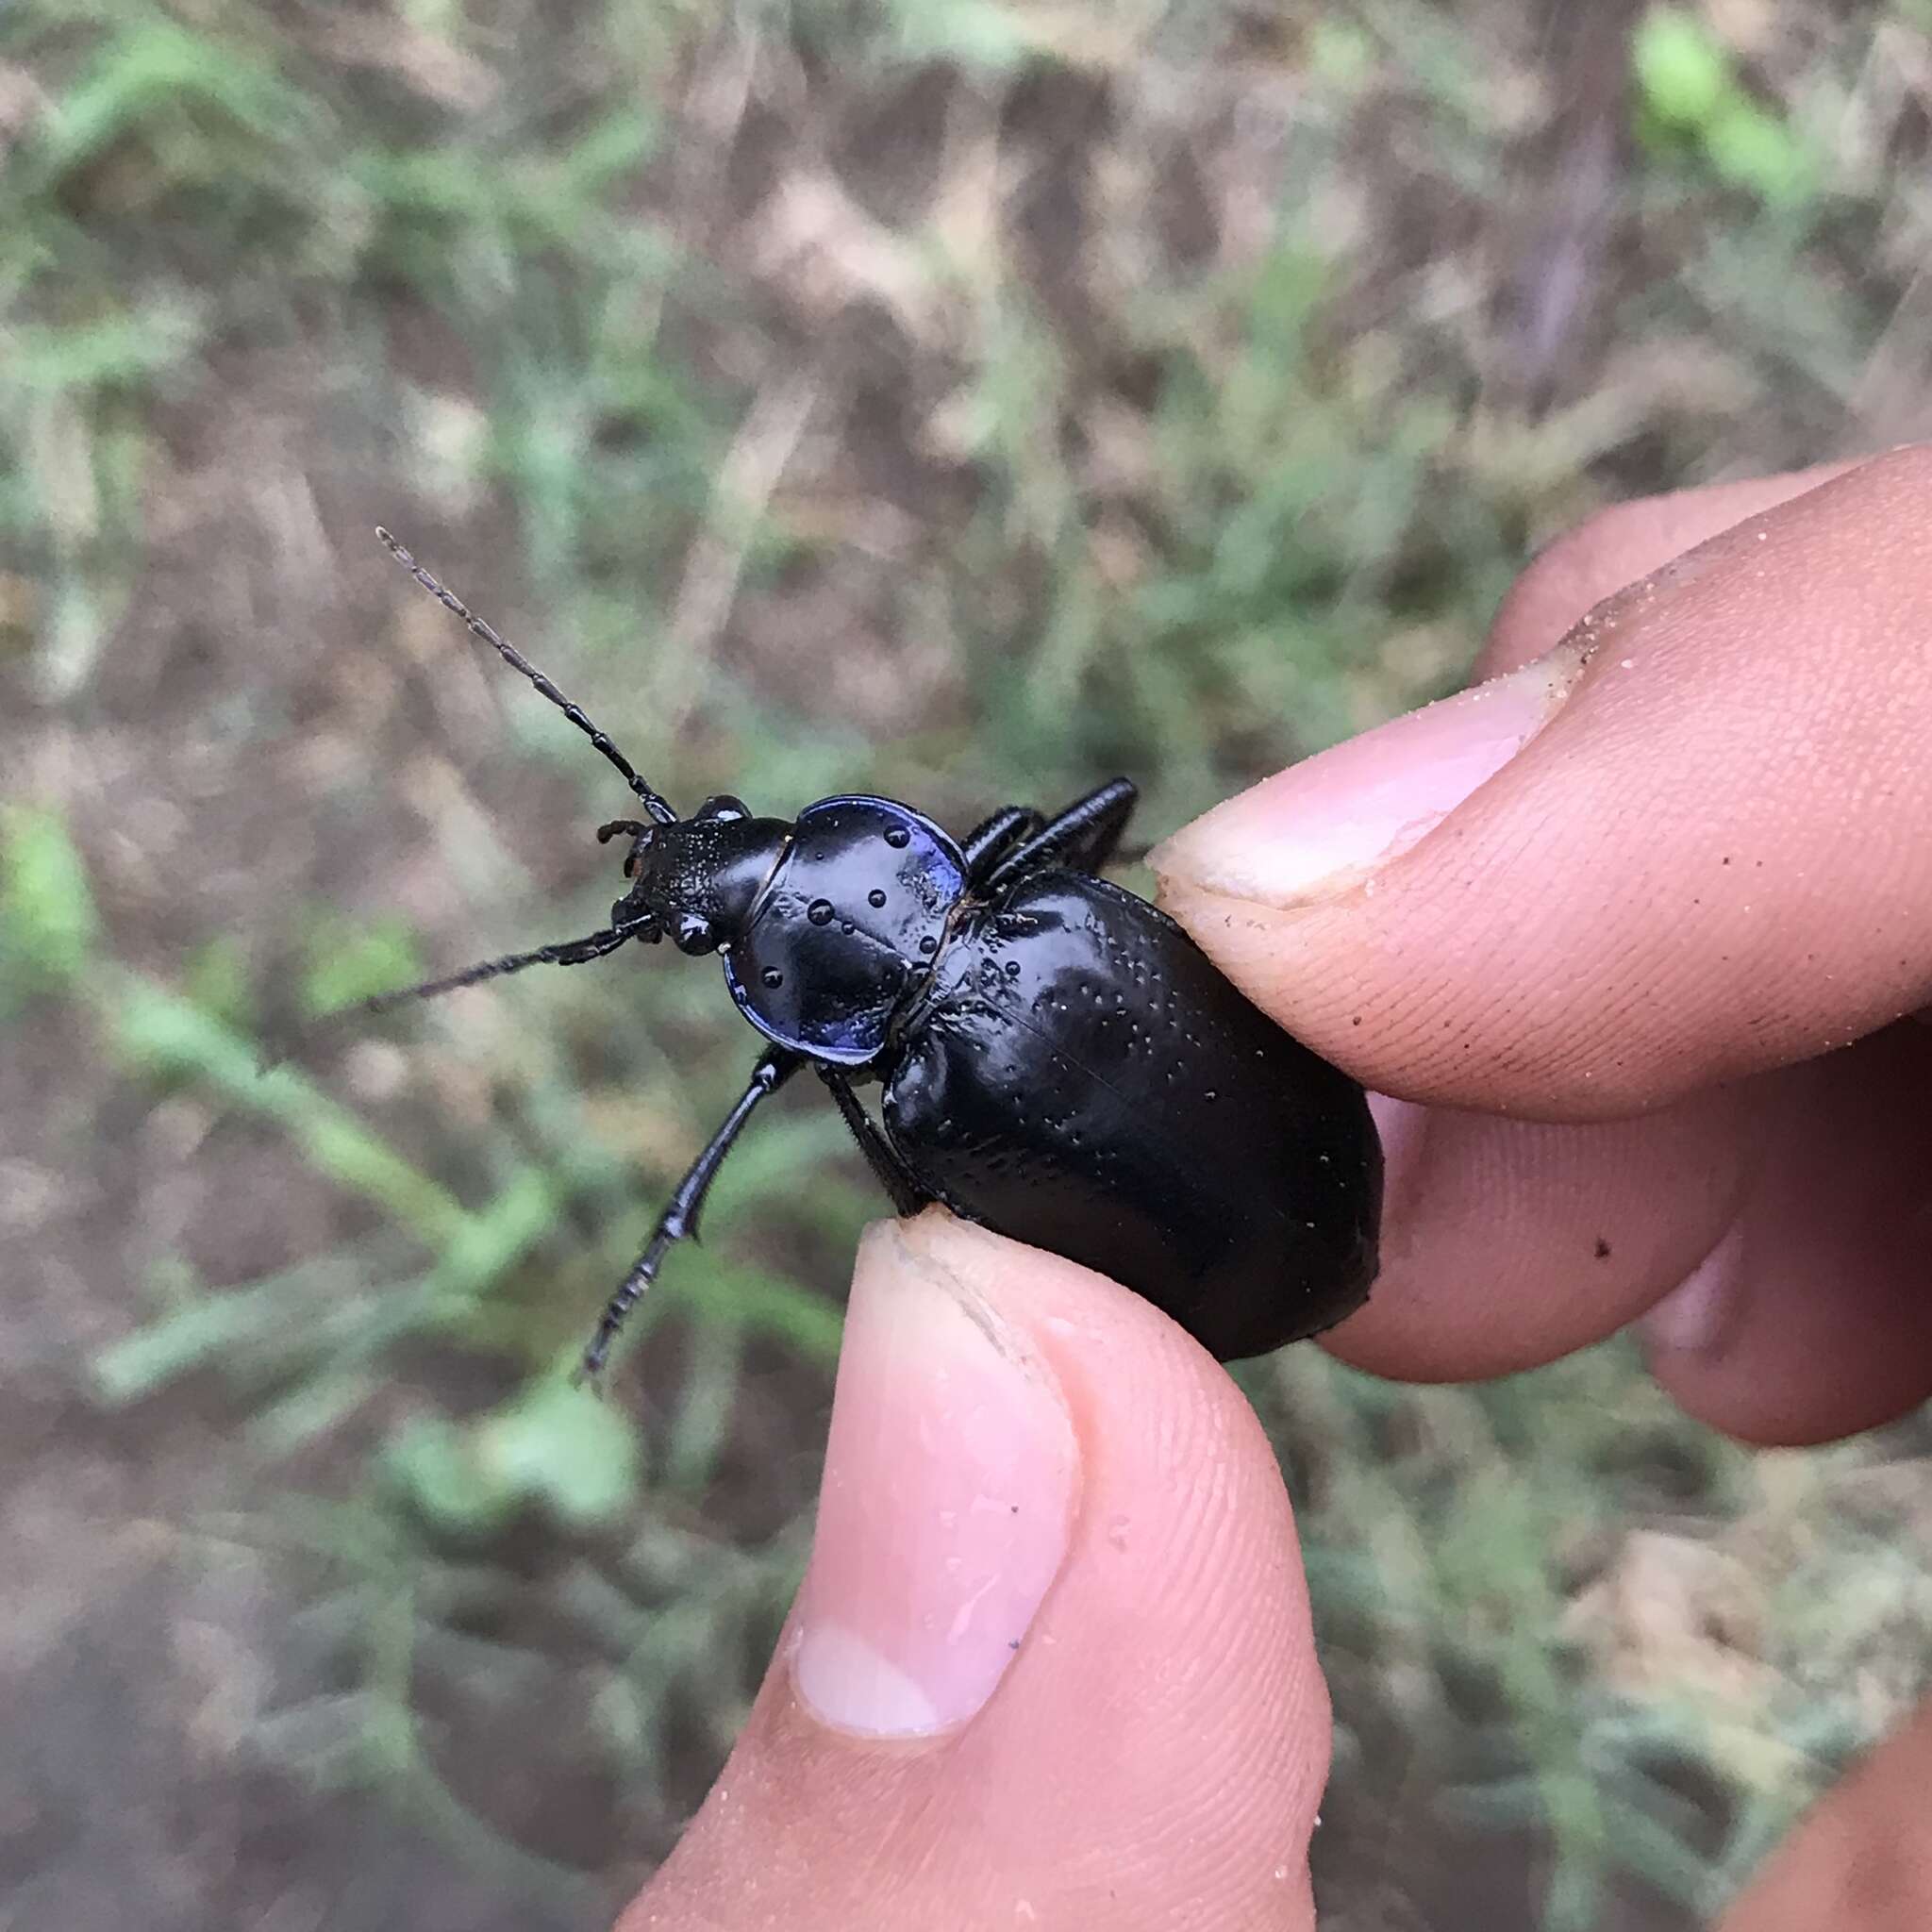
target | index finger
[
  {"x": 1618, "y": 547},
  {"x": 1692, "y": 841}
]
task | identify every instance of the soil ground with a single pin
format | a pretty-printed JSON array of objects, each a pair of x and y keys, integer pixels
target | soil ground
[{"x": 965, "y": 401}]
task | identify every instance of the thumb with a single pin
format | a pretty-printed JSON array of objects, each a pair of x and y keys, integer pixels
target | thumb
[{"x": 1051, "y": 1664}]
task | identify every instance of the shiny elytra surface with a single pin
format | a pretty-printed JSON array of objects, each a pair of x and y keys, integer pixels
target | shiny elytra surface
[{"x": 1077, "y": 1075}]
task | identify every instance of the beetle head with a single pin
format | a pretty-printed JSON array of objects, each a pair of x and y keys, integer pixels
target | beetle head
[{"x": 697, "y": 879}]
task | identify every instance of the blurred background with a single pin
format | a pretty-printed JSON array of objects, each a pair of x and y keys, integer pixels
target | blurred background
[{"x": 956, "y": 398}]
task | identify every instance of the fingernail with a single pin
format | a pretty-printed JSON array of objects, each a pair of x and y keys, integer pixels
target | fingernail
[
  {"x": 1695, "y": 1316},
  {"x": 950, "y": 1480},
  {"x": 1328, "y": 823}
]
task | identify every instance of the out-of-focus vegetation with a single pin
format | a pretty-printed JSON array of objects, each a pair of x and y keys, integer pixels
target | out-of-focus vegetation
[{"x": 961, "y": 398}]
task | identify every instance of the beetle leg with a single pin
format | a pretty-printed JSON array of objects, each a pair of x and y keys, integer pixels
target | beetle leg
[
  {"x": 888, "y": 1168},
  {"x": 679, "y": 1220},
  {"x": 1083, "y": 838},
  {"x": 988, "y": 844}
]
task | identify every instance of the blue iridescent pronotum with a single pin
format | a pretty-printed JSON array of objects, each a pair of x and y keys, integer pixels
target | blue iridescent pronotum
[{"x": 1055, "y": 1057}]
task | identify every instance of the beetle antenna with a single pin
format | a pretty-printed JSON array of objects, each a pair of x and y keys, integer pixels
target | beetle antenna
[
  {"x": 569, "y": 953},
  {"x": 565, "y": 953},
  {"x": 653, "y": 801}
]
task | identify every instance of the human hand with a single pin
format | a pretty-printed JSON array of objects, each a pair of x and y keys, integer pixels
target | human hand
[
  {"x": 1661, "y": 876},
  {"x": 1596, "y": 922}
]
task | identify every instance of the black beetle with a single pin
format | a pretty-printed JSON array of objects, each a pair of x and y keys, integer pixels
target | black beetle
[{"x": 1059, "y": 1060}]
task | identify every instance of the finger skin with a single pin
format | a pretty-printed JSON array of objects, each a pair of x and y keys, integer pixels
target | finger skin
[
  {"x": 1493, "y": 1256},
  {"x": 1507, "y": 1243},
  {"x": 1862, "y": 1860},
  {"x": 1714, "y": 858},
  {"x": 1510, "y": 1243},
  {"x": 1620, "y": 546},
  {"x": 1821, "y": 1317},
  {"x": 1482, "y": 1271},
  {"x": 1154, "y": 1755}
]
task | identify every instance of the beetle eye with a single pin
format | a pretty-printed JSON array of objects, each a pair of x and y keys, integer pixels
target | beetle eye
[
  {"x": 692, "y": 933},
  {"x": 724, "y": 806}
]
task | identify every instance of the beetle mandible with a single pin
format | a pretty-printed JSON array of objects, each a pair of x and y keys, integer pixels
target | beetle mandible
[{"x": 1056, "y": 1059}]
